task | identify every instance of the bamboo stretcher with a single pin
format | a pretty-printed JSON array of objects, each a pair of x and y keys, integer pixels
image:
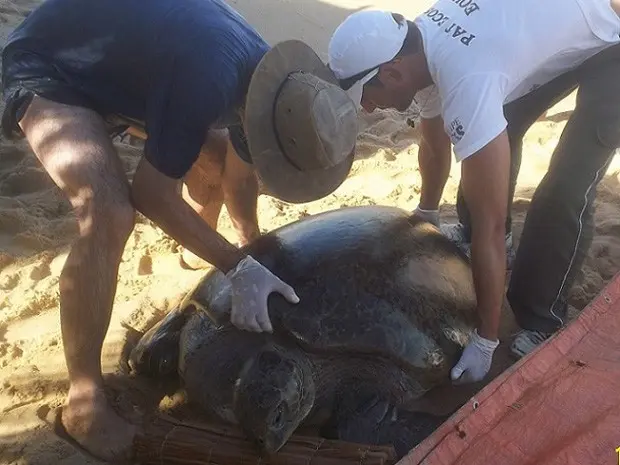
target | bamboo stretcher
[{"x": 168, "y": 441}]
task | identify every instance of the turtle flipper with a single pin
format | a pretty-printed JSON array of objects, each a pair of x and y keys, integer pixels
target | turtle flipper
[
  {"x": 357, "y": 417},
  {"x": 156, "y": 354},
  {"x": 367, "y": 418},
  {"x": 405, "y": 430}
]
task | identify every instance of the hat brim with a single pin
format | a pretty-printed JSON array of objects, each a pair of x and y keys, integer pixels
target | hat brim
[{"x": 279, "y": 176}]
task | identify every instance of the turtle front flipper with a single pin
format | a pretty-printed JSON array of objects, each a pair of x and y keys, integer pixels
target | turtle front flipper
[
  {"x": 365, "y": 417},
  {"x": 156, "y": 355},
  {"x": 405, "y": 430},
  {"x": 212, "y": 295}
]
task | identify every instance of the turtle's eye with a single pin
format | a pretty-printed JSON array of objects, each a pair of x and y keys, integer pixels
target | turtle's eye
[
  {"x": 278, "y": 416},
  {"x": 164, "y": 365}
]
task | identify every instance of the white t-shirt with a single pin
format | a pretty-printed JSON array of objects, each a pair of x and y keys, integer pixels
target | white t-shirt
[{"x": 485, "y": 53}]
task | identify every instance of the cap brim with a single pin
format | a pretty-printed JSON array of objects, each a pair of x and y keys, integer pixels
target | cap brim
[
  {"x": 279, "y": 176},
  {"x": 356, "y": 91}
]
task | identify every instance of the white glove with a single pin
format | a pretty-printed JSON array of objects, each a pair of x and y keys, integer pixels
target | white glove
[
  {"x": 432, "y": 216},
  {"x": 251, "y": 285},
  {"x": 475, "y": 361}
]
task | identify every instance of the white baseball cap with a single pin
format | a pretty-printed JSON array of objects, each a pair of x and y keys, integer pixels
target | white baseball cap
[{"x": 364, "y": 41}]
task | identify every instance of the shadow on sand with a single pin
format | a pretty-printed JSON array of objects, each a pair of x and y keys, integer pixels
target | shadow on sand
[{"x": 33, "y": 439}]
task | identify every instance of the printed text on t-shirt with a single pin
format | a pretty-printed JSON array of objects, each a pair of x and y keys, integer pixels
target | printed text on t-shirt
[
  {"x": 456, "y": 130},
  {"x": 452, "y": 28}
]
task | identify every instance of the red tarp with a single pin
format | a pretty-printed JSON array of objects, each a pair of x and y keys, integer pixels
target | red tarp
[{"x": 559, "y": 405}]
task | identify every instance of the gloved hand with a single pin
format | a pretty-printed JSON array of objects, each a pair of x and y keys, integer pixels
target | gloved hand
[
  {"x": 251, "y": 285},
  {"x": 475, "y": 360},
  {"x": 432, "y": 216}
]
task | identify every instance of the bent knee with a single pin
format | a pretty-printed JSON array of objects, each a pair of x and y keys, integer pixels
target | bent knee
[
  {"x": 216, "y": 143},
  {"x": 210, "y": 161},
  {"x": 107, "y": 214},
  {"x": 116, "y": 216}
]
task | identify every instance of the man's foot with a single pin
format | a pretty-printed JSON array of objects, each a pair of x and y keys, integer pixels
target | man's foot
[
  {"x": 456, "y": 233},
  {"x": 92, "y": 423},
  {"x": 526, "y": 341}
]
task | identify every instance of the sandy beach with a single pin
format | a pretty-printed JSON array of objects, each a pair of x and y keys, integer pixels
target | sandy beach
[{"x": 37, "y": 227}]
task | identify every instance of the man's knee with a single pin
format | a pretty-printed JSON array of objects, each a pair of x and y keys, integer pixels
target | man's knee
[
  {"x": 107, "y": 214},
  {"x": 216, "y": 143},
  {"x": 213, "y": 153},
  {"x": 208, "y": 168}
]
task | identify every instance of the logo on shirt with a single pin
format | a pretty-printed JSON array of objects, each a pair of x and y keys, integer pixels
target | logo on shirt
[{"x": 456, "y": 130}]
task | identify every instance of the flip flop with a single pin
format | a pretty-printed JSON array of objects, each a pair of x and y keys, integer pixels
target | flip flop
[{"x": 61, "y": 432}]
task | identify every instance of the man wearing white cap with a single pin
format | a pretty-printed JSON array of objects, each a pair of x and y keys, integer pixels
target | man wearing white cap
[{"x": 482, "y": 71}]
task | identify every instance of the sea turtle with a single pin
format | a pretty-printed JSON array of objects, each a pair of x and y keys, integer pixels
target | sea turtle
[{"x": 387, "y": 305}]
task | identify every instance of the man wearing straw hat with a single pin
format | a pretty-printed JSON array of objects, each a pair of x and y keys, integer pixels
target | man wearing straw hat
[
  {"x": 180, "y": 69},
  {"x": 483, "y": 71}
]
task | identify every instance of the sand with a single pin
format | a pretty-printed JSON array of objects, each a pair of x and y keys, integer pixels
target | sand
[{"x": 37, "y": 227}]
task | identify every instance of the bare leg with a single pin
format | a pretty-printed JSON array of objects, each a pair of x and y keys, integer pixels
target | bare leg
[
  {"x": 202, "y": 189},
  {"x": 219, "y": 176},
  {"x": 203, "y": 183},
  {"x": 240, "y": 188},
  {"x": 74, "y": 148}
]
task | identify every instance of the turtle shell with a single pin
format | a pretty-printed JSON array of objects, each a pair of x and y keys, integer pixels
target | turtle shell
[{"x": 370, "y": 279}]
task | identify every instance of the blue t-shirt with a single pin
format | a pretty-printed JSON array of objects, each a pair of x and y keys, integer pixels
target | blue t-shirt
[{"x": 180, "y": 66}]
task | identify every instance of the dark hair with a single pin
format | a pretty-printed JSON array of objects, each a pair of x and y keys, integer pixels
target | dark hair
[
  {"x": 413, "y": 40},
  {"x": 411, "y": 45}
]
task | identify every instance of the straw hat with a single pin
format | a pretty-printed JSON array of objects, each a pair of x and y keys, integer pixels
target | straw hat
[{"x": 301, "y": 127}]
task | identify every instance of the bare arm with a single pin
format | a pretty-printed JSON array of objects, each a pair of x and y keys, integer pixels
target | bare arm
[
  {"x": 485, "y": 178},
  {"x": 159, "y": 198},
  {"x": 434, "y": 160}
]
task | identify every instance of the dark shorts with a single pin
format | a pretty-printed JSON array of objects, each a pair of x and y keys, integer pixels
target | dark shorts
[
  {"x": 240, "y": 143},
  {"x": 25, "y": 75}
]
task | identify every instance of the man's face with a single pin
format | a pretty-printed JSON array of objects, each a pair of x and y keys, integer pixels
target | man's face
[{"x": 392, "y": 87}]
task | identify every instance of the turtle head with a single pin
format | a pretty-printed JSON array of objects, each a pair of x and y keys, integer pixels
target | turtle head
[
  {"x": 273, "y": 395},
  {"x": 158, "y": 358},
  {"x": 157, "y": 353}
]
